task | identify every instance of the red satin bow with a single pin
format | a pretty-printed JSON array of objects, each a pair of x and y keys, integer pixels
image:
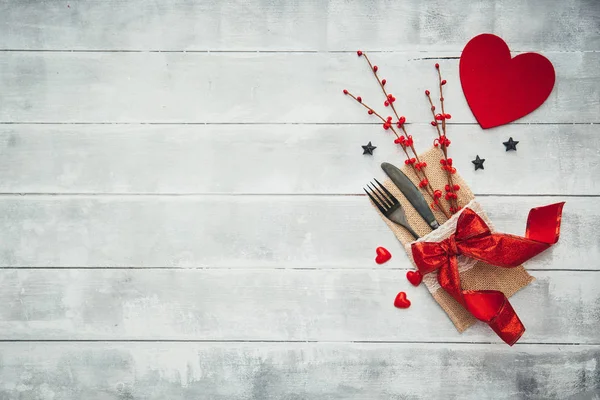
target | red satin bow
[{"x": 474, "y": 239}]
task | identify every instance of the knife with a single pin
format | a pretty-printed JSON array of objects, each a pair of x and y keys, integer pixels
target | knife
[{"x": 411, "y": 192}]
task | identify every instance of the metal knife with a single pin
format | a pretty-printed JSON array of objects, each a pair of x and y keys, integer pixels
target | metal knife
[{"x": 411, "y": 192}]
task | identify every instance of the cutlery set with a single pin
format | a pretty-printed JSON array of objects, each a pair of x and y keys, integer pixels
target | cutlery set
[{"x": 391, "y": 208}]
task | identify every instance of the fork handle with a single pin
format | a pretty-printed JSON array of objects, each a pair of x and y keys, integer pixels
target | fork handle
[{"x": 409, "y": 229}]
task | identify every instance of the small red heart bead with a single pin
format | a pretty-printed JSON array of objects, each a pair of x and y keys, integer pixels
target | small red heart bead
[
  {"x": 383, "y": 255},
  {"x": 401, "y": 301},
  {"x": 414, "y": 277}
]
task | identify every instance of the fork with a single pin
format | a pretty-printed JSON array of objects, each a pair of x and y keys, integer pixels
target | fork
[{"x": 389, "y": 206}]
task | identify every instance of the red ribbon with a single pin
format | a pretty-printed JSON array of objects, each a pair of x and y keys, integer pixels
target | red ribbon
[{"x": 474, "y": 239}]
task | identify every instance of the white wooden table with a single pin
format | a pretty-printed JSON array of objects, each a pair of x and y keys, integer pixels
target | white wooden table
[{"x": 181, "y": 212}]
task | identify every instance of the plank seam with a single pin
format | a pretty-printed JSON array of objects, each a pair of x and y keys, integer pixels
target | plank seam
[
  {"x": 466, "y": 343},
  {"x": 218, "y": 194},
  {"x": 208, "y": 51},
  {"x": 273, "y": 123},
  {"x": 176, "y": 268}
]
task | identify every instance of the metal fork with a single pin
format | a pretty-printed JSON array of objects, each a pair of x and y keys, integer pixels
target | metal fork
[{"x": 389, "y": 206}]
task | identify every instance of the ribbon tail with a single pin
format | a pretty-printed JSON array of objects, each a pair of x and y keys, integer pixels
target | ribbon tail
[
  {"x": 493, "y": 308},
  {"x": 543, "y": 223},
  {"x": 505, "y": 250}
]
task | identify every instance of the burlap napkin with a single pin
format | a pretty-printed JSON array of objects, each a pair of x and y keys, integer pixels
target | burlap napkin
[{"x": 475, "y": 276}]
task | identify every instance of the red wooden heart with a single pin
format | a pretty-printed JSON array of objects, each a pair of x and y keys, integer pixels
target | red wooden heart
[
  {"x": 501, "y": 89},
  {"x": 383, "y": 255},
  {"x": 401, "y": 301},
  {"x": 414, "y": 277}
]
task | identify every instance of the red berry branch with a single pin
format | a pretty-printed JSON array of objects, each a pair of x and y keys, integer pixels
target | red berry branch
[
  {"x": 405, "y": 141},
  {"x": 443, "y": 142}
]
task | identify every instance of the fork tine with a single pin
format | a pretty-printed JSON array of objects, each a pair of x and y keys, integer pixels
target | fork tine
[
  {"x": 385, "y": 200},
  {"x": 375, "y": 201},
  {"x": 391, "y": 196}
]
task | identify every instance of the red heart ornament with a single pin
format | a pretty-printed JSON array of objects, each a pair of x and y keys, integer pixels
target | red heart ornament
[
  {"x": 414, "y": 277},
  {"x": 401, "y": 301},
  {"x": 383, "y": 255},
  {"x": 501, "y": 89}
]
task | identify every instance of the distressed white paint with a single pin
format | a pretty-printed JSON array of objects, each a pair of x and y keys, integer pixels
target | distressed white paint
[
  {"x": 308, "y": 25},
  {"x": 247, "y": 231},
  {"x": 273, "y": 305},
  {"x": 301, "y": 266},
  {"x": 244, "y": 88},
  {"x": 314, "y": 371},
  {"x": 294, "y": 159}
]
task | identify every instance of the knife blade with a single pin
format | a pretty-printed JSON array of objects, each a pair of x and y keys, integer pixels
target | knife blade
[{"x": 411, "y": 192}]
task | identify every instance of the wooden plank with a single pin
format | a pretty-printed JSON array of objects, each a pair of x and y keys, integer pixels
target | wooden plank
[
  {"x": 117, "y": 371},
  {"x": 246, "y": 231},
  {"x": 255, "y": 87},
  {"x": 295, "y": 159},
  {"x": 274, "y": 305},
  {"x": 307, "y": 25}
]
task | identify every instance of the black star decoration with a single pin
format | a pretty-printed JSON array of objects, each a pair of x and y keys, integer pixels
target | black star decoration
[
  {"x": 478, "y": 163},
  {"x": 368, "y": 149},
  {"x": 511, "y": 144}
]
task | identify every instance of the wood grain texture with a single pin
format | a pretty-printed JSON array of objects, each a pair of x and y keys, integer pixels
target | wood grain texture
[
  {"x": 293, "y": 159},
  {"x": 315, "y": 25},
  {"x": 247, "y": 231},
  {"x": 257, "y": 88},
  {"x": 155, "y": 371},
  {"x": 273, "y": 305},
  {"x": 241, "y": 274}
]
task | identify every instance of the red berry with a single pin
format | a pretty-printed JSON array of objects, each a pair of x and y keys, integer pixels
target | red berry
[
  {"x": 423, "y": 164},
  {"x": 406, "y": 162},
  {"x": 432, "y": 108},
  {"x": 375, "y": 68},
  {"x": 439, "y": 117},
  {"x": 389, "y": 96},
  {"x": 402, "y": 119},
  {"x": 389, "y": 119},
  {"x": 447, "y": 188},
  {"x": 345, "y": 91},
  {"x": 437, "y": 194},
  {"x": 456, "y": 187},
  {"x": 441, "y": 99},
  {"x": 359, "y": 53},
  {"x": 427, "y": 93},
  {"x": 370, "y": 112},
  {"x": 386, "y": 103},
  {"x": 447, "y": 196},
  {"x": 443, "y": 82},
  {"x": 449, "y": 161},
  {"x": 359, "y": 99},
  {"x": 433, "y": 123},
  {"x": 397, "y": 140},
  {"x": 447, "y": 116},
  {"x": 437, "y": 66},
  {"x": 443, "y": 162},
  {"x": 383, "y": 82},
  {"x": 412, "y": 160}
]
